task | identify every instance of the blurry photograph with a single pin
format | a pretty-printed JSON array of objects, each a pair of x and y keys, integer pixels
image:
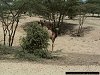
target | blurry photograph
[{"x": 49, "y": 37}]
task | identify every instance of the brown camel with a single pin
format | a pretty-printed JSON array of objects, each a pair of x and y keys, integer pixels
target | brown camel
[{"x": 52, "y": 32}]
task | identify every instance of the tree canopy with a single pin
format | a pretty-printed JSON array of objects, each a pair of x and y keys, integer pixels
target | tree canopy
[{"x": 94, "y": 6}]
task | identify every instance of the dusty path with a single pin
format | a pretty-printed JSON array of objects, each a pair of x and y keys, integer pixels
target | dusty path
[
  {"x": 28, "y": 68},
  {"x": 80, "y": 54}
]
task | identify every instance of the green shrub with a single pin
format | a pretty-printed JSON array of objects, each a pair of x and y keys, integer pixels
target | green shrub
[
  {"x": 5, "y": 50},
  {"x": 36, "y": 41}
]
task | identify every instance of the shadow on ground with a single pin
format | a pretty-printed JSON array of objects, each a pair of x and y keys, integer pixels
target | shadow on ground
[
  {"x": 67, "y": 28},
  {"x": 73, "y": 59},
  {"x": 60, "y": 58},
  {"x": 72, "y": 29},
  {"x": 94, "y": 16}
]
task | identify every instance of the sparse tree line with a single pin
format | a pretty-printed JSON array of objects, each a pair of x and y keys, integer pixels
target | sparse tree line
[{"x": 52, "y": 10}]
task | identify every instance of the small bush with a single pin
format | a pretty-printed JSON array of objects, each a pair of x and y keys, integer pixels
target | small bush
[
  {"x": 36, "y": 41},
  {"x": 5, "y": 50}
]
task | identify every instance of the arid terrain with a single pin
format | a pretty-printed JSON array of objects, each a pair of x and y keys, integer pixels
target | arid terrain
[{"x": 76, "y": 53}]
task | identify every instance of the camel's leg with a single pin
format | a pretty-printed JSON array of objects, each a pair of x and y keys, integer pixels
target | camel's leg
[
  {"x": 53, "y": 40},
  {"x": 52, "y": 45}
]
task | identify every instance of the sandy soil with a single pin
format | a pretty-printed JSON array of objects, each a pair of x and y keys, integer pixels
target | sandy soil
[
  {"x": 78, "y": 53},
  {"x": 27, "y": 68}
]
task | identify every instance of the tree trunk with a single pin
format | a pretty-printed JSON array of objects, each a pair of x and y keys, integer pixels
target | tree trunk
[
  {"x": 98, "y": 15},
  {"x": 92, "y": 14},
  {"x": 4, "y": 38},
  {"x": 58, "y": 25},
  {"x": 62, "y": 19},
  {"x": 13, "y": 35},
  {"x": 9, "y": 39}
]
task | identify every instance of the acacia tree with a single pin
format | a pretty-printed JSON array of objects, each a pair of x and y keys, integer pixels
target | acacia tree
[
  {"x": 10, "y": 13},
  {"x": 73, "y": 8},
  {"x": 86, "y": 8},
  {"x": 82, "y": 14},
  {"x": 54, "y": 10},
  {"x": 94, "y": 6}
]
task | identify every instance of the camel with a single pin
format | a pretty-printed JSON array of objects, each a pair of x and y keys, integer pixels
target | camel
[
  {"x": 46, "y": 24},
  {"x": 51, "y": 31}
]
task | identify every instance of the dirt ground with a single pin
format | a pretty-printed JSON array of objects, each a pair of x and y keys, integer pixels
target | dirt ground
[{"x": 77, "y": 53}]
